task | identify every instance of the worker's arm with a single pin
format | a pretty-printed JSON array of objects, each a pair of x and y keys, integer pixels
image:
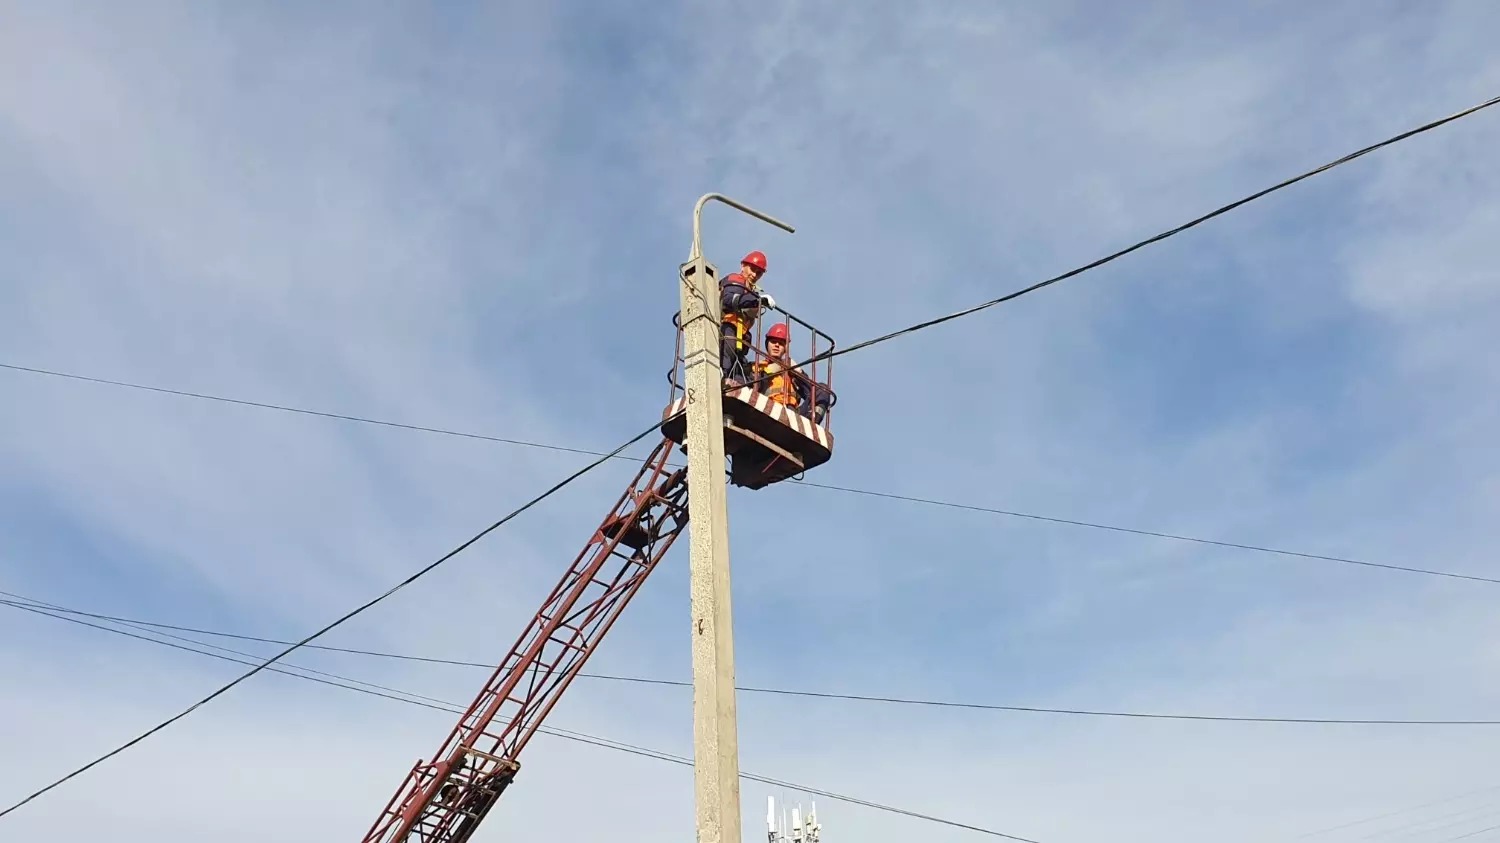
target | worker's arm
[{"x": 736, "y": 297}]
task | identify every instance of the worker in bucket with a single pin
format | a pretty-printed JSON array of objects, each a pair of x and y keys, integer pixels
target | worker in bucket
[
  {"x": 773, "y": 378},
  {"x": 741, "y": 302},
  {"x": 776, "y": 377}
]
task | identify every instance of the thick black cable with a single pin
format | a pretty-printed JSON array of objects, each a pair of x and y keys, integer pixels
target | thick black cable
[
  {"x": 788, "y": 692},
  {"x": 824, "y": 356},
  {"x": 411, "y": 698},
  {"x": 404, "y": 583},
  {"x": 911, "y": 329},
  {"x": 830, "y": 487},
  {"x": 1224, "y": 209}
]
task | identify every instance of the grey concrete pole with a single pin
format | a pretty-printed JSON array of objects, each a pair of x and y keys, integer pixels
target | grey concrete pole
[{"x": 716, "y": 767}]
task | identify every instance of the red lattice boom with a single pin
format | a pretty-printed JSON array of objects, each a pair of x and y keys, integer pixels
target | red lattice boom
[{"x": 443, "y": 801}]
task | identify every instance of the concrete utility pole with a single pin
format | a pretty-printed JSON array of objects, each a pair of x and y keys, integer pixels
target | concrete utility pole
[{"x": 716, "y": 766}]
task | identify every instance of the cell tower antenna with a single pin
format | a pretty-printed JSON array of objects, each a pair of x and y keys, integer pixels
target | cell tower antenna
[{"x": 803, "y": 828}]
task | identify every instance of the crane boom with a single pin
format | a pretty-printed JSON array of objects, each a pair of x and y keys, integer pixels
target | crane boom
[{"x": 444, "y": 801}]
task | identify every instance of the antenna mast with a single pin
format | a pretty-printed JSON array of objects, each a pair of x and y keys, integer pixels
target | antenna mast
[{"x": 802, "y": 830}]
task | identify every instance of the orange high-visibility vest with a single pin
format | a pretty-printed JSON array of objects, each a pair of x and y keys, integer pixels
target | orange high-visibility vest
[{"x": 778, "y": 387}]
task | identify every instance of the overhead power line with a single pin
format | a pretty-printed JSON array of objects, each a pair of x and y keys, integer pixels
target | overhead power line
[
  {"x": 825, "y": 355},
  {"x": 1454, "y": 819},
  {"x": 306, "y": 412},
  {"x": 1224, "y": 209},
  {"x": 350, "y": 614},
  {"x": 32, "y": 603},
  {"x": 1412, "y": 809},
  {"x": 411, "y": 698},
  {"x": 1475, "y": 833},
  {"x": 920, "y": 326},
  {"x": 1173, "y": 536},
  {"x": 826, "y": 486}
]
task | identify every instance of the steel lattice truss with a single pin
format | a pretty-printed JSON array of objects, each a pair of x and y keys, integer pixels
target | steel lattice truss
[{"x": 443, "y": 801}]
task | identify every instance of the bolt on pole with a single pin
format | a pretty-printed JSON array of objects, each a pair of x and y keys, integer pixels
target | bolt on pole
[{"x": 716, "y": 769}]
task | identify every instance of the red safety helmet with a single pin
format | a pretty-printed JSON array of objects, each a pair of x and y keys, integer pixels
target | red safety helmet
[
  {"x": 777, "y": 332},
  {"x": 755, "y": 259}
]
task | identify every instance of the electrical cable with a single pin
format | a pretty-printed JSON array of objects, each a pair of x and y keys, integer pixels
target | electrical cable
[
  {"x": 50, "y": 608},
  {"x": 285, "y": 670},
  {"x": 300, "y": 410},
  {"x": 1415, "y": 829},
  {"x": 1224, "y": 209},
  {"x": 788, "y": 692},
  {"x": 404, "y": 583},
  {"x": 1471, "y": 834},
  {"x": 826, "y": 355},
  {"x": 920, "y": 326},
  {"x": 1256, "y": 548},
  {"x": 1414, "y": 808},
  {"x": 411, "y": 698},
  {"x": 830, "y": 487}
]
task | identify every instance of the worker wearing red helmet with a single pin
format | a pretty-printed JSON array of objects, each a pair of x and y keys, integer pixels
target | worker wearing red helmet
[
  {"x": 772, "y": 376},
  {"x": 785, "y": 385},
  {"x": 741, "y": 302}
]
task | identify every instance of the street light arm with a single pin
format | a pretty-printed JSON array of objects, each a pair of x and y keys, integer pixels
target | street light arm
[{"x": 698, "y": 219}]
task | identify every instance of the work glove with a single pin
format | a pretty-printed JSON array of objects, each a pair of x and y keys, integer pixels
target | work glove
[{"x": 766, "y": 300}]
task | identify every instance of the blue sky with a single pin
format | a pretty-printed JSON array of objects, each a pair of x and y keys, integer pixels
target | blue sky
[{"x": 472, "y": 220}]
